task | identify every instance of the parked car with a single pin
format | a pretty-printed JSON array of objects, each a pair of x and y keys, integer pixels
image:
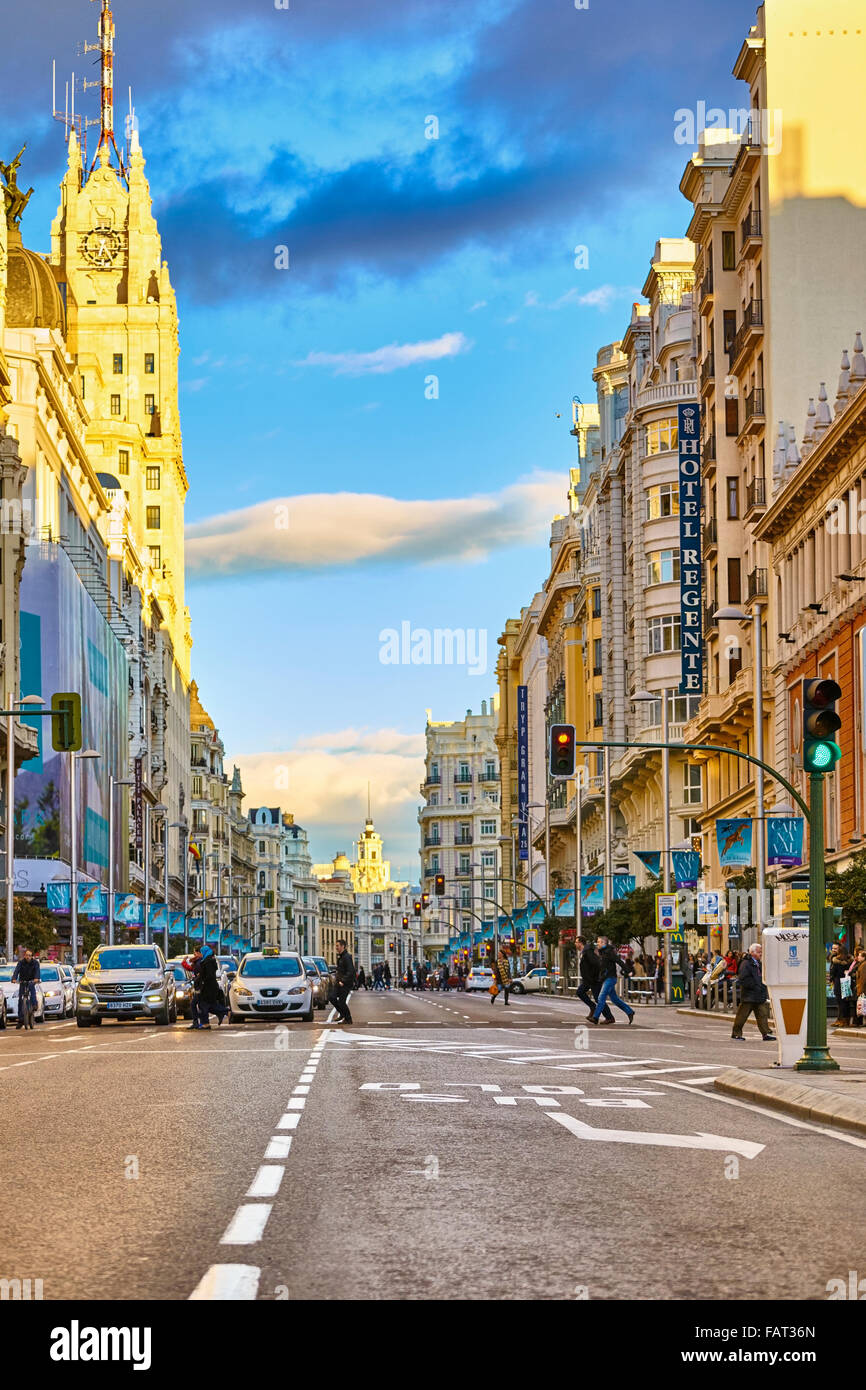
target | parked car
[
  {"x": 534, "y": 979},
  {"x": 57, "y": 990},
  {"x": 271, "y": 984},
  {"x": 320, "y": 981},
  {"x": 480, "y": 977},
  {"x": 10, "y": 994},
  {"x": 326, "y": 969},
  {"x": 183, "y": 987},
  {"x": 229, "y": 966},
  {"x": 126, "y": 982}
]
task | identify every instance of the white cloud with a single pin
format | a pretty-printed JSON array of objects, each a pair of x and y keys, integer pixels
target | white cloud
[
  {"x": 338, "y": 530},
  {"x": 390, "y": 358},
  {"x": 479, "y": 304},
  {"x": 599, "y": 298}
]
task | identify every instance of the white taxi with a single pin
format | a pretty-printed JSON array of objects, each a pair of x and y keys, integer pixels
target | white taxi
[
  {"x": 271, "y": 984},
  {"x": 480, "y": 977}
]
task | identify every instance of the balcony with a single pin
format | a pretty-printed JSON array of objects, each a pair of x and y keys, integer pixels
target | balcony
[
  {"x": 710, "y": 620},
  {"x": 756, "y": 500},
  {"x": 708, "y": 449},
  {"x": 668, "y": 393},
  {"x": 711, "y": 535},
  {"x": 708, "y": 370},
  {"x": 489, "y": 776},
  {"x": 431, "y": 841},
  {"x": 434, "y": 780},
  {"x": 756, "y": 586},
  {"x": 463, "y": 779},
  {"x": 749, "y": 332},
  {"x": 750, "y": 234},
  {"x": 706, "y": 290},
  {"x": 754, "y": 417},
  {"x": 463, "y": 872},
  {"x": 463, "y": 839}
]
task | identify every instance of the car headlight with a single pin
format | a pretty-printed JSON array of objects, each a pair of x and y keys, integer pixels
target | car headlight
[
  {"x": 51, "y": 993},
  {"x": 154, "y": 984},
  {"x": 181, "y": 991},
  {"x": 242, "y": 989},
  {"x": 86, "y": 998},
  {"x": 297, "y": 989}
]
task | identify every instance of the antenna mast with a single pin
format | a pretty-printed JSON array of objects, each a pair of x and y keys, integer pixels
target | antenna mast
[{"x": 105, "y": 48}]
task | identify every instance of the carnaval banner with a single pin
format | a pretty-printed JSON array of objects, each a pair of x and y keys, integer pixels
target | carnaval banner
[
  {"x": 92, "y": 900},
  {"x": 195, "y": 929},
  {"x": 623, "y": 884},
  {"x": 734, "y": 840},
  {"x": 686, "y": 866},
  {"x": 175, "y": 924},
  {"x": 563, "y": 902},
  {"x": 785, "y": 840},
  {"x": 592, "y": 893},
  {"x": 651, "y": 860},
  {"x": 57, "y": 897},
  {"x": 157, "y": 917}
]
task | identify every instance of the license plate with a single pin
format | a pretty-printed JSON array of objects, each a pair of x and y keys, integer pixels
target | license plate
[
  {"x": 124, "y": 1005},
  {"x": 270, "y": 1004}
]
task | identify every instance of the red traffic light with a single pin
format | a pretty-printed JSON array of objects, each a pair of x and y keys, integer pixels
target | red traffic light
[
  {"x": 562, "y": 750},
  {"x": 821, "y": 692},
  {"x": 563, "y": 738}
]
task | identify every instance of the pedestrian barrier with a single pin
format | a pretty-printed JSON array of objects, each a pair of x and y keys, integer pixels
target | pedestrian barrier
[
  {"x": 639, "y": 989},
  {"x": 722, "y": 996}
]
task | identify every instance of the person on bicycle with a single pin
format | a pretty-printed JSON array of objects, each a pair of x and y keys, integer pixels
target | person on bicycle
[{"x": 26, "y": 973}]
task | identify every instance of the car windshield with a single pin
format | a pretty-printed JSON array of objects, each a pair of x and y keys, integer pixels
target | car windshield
[
  {"x": 124, "y": 958},
  {"x": 310, "y": 966},
  {"x": 228, "y": 961},
  {"x": 49, "y": 972},
  {"x": 6, "y": 973},
  {"x": 270, "y": 966},
  {"x": 178, "y": 972},
  {"x": 322, "y": 964}
]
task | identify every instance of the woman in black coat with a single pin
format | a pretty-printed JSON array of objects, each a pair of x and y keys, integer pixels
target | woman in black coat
[{"x": 210, "y": 995}]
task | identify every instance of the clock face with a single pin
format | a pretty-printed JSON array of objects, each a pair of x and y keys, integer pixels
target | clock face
[{"x": 101, "y": 247}]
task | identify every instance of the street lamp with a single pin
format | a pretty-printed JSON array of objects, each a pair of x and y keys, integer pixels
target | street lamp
[
  {"x": 28, "y": 701},
  {"x": 738, "y": 615},
  {"x": 113, "y": 783},
  {"x": 73, "y": 848}
]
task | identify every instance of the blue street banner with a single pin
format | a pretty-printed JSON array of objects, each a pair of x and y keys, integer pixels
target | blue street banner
[
  {"x": 128, "y": 910},
  {"x": 734, "y": 840},
  {"x": 623, "y": 884},
  {"x": 592, "y": 893},
  {"x": 92, "y": 901},
  {"x": 691, "y": 567},
  {"x": 213, "y": 935},
  {"x": 57, "y": 897},
  {"x": 686, "y": 866},
  {"x": 195, "y": 929},
  {"x": 522, "y": 772},
  {"x": 785, "y": 840},
  {"x": 651, "y": 860},
  {"x": 563, "y": 902},
  {"x": 535, "y": 912},
  {"x": 157, "y": 917},
  {"x": 175, "y": 924}
]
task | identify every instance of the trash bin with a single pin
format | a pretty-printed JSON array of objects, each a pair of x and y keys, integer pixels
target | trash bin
[{"x": 786, "y": 975}]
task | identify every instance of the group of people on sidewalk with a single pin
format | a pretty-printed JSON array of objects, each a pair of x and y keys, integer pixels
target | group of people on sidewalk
[{"x": 846, "y": 974}]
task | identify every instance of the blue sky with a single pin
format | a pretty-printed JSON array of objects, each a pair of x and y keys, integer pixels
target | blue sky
[{"x": 304, "y": 388}]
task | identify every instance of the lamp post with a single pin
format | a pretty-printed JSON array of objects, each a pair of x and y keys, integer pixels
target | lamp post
[
  {"x": 15, "y": 705},
  {"x": 738, "y": 615},
  {"x": 113, "y": 784},
  {"x": 73, "y": 848}
]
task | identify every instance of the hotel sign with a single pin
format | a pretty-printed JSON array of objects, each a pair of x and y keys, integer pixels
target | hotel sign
[
  {"x": 691, "y": 567},
  {"x": 523, "y": 771}
]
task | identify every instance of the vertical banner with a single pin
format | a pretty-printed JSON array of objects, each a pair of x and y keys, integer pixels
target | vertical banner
[
  {"x": 784, "y": 840},
  {"x": 128, "y": 910},
  {"x": 57, "y": 896},
  {"x": 623, "y": 884},
  {"x": 592, "y": 893},
  {"x": 686, "y": 866},
  {"x": 138, "y": 805},
  {"x": 691, "y": 568},
  {"x": 651, "y": 860},
  {"x": 523, "y": 771},
  {"x": 734, "y": 842}
]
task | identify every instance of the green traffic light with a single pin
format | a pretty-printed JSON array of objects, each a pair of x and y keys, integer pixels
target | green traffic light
[{"x": 821, "y": 755}]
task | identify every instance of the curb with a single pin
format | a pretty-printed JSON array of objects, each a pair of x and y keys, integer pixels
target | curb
[{"x": 806, "y": 1102}]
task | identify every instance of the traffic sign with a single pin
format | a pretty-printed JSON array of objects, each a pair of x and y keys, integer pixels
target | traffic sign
[
  {"x": 709, "y": 909},
  {"x": 666, "y": 912},
  {"x": 530, "y": 940}
]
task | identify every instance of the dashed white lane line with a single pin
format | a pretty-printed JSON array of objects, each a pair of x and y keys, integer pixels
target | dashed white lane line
[
  {"x": 301, "y": 1091},
  {"x": 233, "y": 1282},
  {"x": 266, "y": 1182},
  {"x": 289, "y": 1121},
  {"x": 248, "y": 1224},
  {"x": 296, "y": 1103},
  {"x": 279, "y": 1146}
]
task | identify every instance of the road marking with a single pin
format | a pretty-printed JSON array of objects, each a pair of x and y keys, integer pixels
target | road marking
[
  {"x": 718, "y": 1142},
  {"x": 300, "y": 1091},
  {"x": 296, "y": 1103},
  {"x": 279, "y": 1146},
  {"x": 247, "y": 1225},
  {"x": 777, "y": 1115},
  {"x": 233, "y": 1282},
  {"x": 439, "y": 1100},
  {"x": 289, "y": 1121},
  {"x": 266, "y": 1182}
]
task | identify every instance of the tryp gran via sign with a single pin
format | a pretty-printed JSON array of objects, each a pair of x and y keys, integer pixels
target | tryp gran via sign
[{"x": 691, "y": 568}]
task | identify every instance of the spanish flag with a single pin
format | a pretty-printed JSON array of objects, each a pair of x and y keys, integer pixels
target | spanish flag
[{"x": 194, "y": 850}]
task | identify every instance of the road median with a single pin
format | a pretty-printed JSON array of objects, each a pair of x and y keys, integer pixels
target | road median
[{"x": 825, "y": 1105}]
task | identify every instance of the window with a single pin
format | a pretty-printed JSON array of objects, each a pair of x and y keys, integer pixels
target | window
[
  {"x": 488, "y": 859},
  {"x": 692, "y": 793},
  {"x": 734, "y": 595},
  {"x": 463, "y": 799},
  {"x": 596, "y": 603},
  {"x": 663, "y": 500},
  {"x": 117, "y": 363},
  {"x": 729, "y": 255},
  {"x": 463, "y": 773},
  {"x": 489, "y": 890},
  {"x": 488, "y": 827},
  {"x": 732, "y": 418},
  {"x": 261, "y": 846},
  {"x": 115, "y": 405},
  {"x": 434, "y": 798},
  {"x": 489, "y": 772},
  {"x": 733, "y": 496},
  {"x": 155, "y": 557},
  {"x": 152, "y": 521},
  {"x": 434, "y": 863},
  {"x": 152, "y": 479},
  {"x": 82, "y": 388},
  {"x": 681, "y": 708},
  {"x": 729, "y": 327},
  {"x": 123, "y": 462},
  {"x": 596, "y": 656},
  {"x": 663, "y": 634},
  {"x": 148, "y": 364},
  {"x": 661, "y": 436},
  {"x": 599, "y": 712},
  {"x": 662, "y": 567},
  {"x": 150, "y": 405},
  {"x": 198, "y": 786}
]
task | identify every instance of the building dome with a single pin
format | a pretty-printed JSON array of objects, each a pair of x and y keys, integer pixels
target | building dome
[{"x": 32, "y": 293}]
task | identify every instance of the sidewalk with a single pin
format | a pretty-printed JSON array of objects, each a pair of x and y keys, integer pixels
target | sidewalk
[{"x": 837, "y": 1098}]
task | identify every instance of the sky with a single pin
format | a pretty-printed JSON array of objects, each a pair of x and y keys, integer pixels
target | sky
[{"x": 371, "y": 214}]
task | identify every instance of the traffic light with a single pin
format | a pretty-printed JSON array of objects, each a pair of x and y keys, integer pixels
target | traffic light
[
  {"x": 405, "y": 923},
  {"x": 425, "y": 898},
  {"x": 417, "y": 908},
  {"x": 66, "y": 730},
  {"x": 821, "y": 752},
  {"x": 440, "y": 885},
  {"x": 392, "y": 946},
  {"x": 562, "y": 750}
]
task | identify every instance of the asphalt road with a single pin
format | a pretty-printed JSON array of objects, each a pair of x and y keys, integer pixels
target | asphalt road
[{"x": 441, "y": 1147}]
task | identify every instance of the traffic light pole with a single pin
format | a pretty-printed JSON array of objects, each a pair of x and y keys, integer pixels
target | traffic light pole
[{"x": 816, "y": 1054}]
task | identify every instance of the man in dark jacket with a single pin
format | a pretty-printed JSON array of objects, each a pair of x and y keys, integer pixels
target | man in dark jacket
[
  {"x": 345, "y": 980},
  {"x": 25, "y": 974},
  {"x": 753, "y": 996},
  {"x": 587, "y": 990},
  {"x": 607, "y": 965}
]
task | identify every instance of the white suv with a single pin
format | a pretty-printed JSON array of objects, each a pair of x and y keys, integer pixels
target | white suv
[{"x": 271, "y": 984}]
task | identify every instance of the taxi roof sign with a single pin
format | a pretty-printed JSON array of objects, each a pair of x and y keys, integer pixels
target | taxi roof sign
[{"x": 270, "y": 950}]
